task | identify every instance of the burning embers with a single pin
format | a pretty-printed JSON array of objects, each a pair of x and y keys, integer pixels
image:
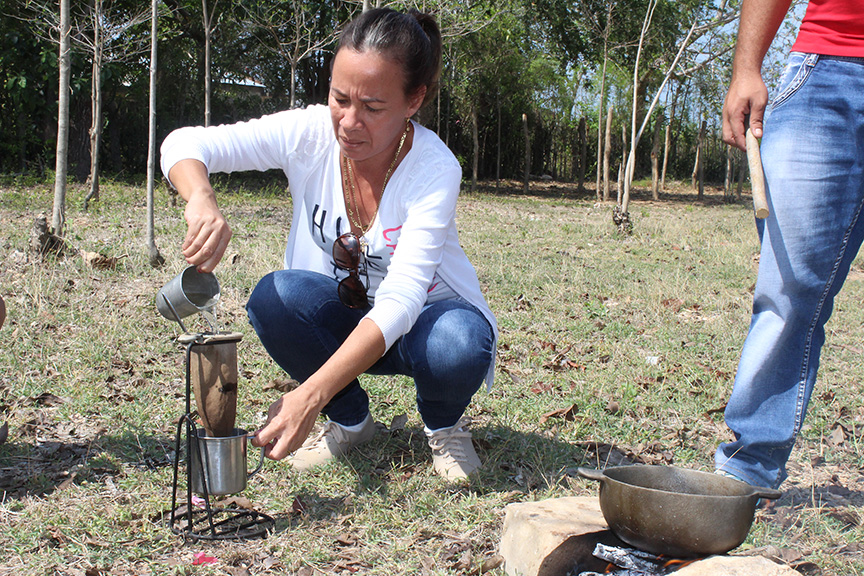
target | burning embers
[{"x": 631, "y": 562}]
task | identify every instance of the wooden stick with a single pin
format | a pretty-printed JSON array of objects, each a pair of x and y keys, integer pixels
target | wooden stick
[{"x": 757, "y": 176}]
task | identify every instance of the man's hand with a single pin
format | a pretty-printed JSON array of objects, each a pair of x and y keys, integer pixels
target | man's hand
[{"x": 747, "y": 98}]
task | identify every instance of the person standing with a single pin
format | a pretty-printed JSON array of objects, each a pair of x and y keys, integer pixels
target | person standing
[
  {"x": 374, "y": 279},
  {"x": 813, "y": 157}
]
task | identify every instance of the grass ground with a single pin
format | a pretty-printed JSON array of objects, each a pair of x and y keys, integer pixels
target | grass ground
[{"x": 611, "y": 348}]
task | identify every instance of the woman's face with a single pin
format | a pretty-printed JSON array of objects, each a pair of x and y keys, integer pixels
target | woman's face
[{"x": 368, "y": 104}]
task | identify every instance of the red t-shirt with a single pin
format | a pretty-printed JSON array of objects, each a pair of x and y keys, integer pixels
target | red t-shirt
[{"x": 832, "y": 28}]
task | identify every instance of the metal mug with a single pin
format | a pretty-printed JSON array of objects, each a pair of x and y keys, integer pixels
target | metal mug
[
  {"x": 224, "y": 462},
  {"x": 188, "y": 293}
]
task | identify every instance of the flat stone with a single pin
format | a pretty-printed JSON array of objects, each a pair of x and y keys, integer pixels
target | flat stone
[
  {"x": 556, "y": 537},
  {"x": 736, "y": 566},
  {"x": 548, "y": 537}
]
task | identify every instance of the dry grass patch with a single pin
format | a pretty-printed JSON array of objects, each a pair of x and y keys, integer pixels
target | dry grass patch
[{"x": 612, "y": 349}]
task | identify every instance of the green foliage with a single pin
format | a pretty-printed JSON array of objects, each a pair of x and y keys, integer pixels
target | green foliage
[{"x": 502, "y": 59}]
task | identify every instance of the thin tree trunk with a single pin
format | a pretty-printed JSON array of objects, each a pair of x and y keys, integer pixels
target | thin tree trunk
[
  {"x": 155, "y": 257},
  {"x": 438, "y": 114},
  {"x": 702, "y": 169},
  {"x": 666, "y": 155},
  {"x": 742, "y": 173},
  {"x": 605, "y": 195},
  {"x": 449, "y": 109},
  {"x": 498, "y": 152},
  {"x": 527, "y": 152},
  {"x": 95, "y": 106},
  {"x": 697, "y": 179},
  {"x": 630, "y": 158},
  {"x": 207, "y": 17},
  {"x": 693, "y": 183},
  {"x": 667, "y": 146},
  {"x": 622, "y": 168},
  {"x": 655, "y": 160},
  {"x": 583, "y": 154},
  {"x": 293, "y": 83},
  {"x": 728, "y": 178},
  {"x": 475, "y": 138},
  {"x": 631, "y": 164},
  {"x": 607, "y": 152},
  {"x": 58, "y": 217}
]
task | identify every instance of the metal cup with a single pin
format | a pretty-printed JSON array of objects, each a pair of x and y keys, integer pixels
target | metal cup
[
  {"x": 188, "y": 293},
  {"x": 224, "y": 461}
]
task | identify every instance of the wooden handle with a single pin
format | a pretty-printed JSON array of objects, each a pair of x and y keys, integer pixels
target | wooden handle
[
  {"x": 757, "y": 176},
  {"x": 590, "y": 473}
]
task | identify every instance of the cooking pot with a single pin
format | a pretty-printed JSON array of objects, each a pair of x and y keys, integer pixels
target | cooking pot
[{"x": 676, "y": 512}]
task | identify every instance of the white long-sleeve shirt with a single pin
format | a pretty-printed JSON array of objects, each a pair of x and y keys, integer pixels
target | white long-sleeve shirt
[{"x": 413, "y": 254}]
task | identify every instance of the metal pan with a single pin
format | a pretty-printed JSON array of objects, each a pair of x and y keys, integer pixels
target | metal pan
[{"x": 676, "y": 512}]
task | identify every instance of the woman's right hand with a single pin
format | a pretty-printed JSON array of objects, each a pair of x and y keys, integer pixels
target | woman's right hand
[{"x": 208, "y": 233}]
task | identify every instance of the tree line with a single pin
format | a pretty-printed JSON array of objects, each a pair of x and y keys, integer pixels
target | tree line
[{"x": 544, "y": 88}]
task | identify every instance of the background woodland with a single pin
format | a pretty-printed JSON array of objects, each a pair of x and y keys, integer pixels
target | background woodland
[{"x": 552, "y": 88}]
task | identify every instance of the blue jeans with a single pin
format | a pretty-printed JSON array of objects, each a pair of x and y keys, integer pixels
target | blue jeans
[
  {"x": 301, "y": 322},
  {"x": 813, "y": 154}
]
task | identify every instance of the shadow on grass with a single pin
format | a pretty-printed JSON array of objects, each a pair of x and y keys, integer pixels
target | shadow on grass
[
  {"x": 823, "y": 495},
  {"x": 676, "y": 193},
  {"x": 38, "y": 466},
  {"x": 511, "y": 460}
]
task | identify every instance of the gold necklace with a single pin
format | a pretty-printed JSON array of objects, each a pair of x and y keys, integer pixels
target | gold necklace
[{"x": 350, "y": 188}]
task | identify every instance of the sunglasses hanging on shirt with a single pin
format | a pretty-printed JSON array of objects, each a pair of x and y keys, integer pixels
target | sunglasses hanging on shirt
[{"x": 348, "y": 256}]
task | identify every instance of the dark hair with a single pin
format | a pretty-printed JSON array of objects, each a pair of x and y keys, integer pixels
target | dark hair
[{"x": 412, "y": 39}]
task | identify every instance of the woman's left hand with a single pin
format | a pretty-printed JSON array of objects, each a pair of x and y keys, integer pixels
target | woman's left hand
[
  {"x": 291, "y": 418},
  {"x": 289, "y": 421}
]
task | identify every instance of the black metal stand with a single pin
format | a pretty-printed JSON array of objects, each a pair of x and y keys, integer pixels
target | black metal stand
[{"x": 206, "y": 522}]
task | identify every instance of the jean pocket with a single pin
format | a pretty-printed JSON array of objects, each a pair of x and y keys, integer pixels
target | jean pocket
[{"x": 797, "y": 71}]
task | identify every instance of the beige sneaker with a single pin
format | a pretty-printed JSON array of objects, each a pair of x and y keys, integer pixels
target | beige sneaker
[
  {"x": 453, "y": 454},
  {"x": 333, "y": 440}
]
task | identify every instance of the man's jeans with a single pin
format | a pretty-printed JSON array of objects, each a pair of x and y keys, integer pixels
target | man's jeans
[
  {"x": 813, "y": 154},
  {"x": 301, "y": 322}
]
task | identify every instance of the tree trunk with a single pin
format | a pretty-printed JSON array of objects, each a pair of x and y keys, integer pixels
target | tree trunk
[
  {"x": 95, "y": 106},
  {"x": 666, "y": 155},
  {"x": 154, "y": 256},
  {"x": 293, "y": 83},
  {"x": 583, "y": 155},
  {"x": 702, "y": 167},
  {"x": 527, "y": 152},
  {"x": 693, "y": 183},
  {"x": 58, "y": 217},
  {"x": 742, "y": 173},
  {"x": 625, "y": 157},
  {"x": 728, "y": 176},
  {"x": 475, "y": 138},
  {"x": 498, "y": 152},
  {"x": 605, "y": 195},
  {"x": 631, "y": 163},
  {"x": 607, "y": 152},
  {"x": 655, "y": 160},
  {"x": 630, "y": 158},
  {"x": 207, "y": 17},
  {"x": 696, "y": 179}
]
